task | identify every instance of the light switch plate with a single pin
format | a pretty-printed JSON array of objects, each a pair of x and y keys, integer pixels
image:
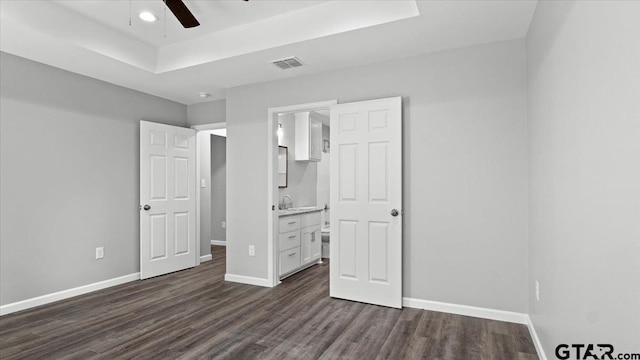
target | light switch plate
[{"x": 203, "y": 183}]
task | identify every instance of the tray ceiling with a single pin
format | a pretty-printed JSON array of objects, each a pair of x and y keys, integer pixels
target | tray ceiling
[{"x": 238, "y": 39}]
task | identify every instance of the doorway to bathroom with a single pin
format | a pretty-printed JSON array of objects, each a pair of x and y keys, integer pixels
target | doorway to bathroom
[
  {"x": 303, "y": 189},
  {"x": 365, "y": 192},
  {"x": 298, "y": 187}
]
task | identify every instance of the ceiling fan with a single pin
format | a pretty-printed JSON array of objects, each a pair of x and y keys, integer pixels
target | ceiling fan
[{"x": 182, "y": 13}]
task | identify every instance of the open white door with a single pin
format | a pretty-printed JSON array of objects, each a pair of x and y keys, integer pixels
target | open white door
[
  {"x": 366, "y": 202},
  {"x": 167, "y": 199}
]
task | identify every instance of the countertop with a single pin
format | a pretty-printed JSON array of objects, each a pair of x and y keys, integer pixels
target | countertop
[{"x": 298, "y": 211}]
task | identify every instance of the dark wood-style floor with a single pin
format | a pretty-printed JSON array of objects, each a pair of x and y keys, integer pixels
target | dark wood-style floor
[{"x": 195, "y": 314}]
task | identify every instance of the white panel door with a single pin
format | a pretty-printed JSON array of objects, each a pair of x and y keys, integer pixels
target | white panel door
[
  {"x": 167, "y": 199},
  {"x": 366, "y": 202}
]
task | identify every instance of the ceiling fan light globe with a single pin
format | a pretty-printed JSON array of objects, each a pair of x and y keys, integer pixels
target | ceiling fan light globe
[{"x": 148, "y": 17}]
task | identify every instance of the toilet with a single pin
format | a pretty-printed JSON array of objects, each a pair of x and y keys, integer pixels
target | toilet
[{"x": 325, "y": 242}]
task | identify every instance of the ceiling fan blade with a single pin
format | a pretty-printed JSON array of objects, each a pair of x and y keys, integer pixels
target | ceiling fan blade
[{"x": 182, "y": 13}]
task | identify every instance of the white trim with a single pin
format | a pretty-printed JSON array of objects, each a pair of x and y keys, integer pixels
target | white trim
[
  {"x": 271, "y": 201},
  {"x": 66, "y": 294},
  {"x": 466, "y": 310},
  {"x": 205, "y": 258},
  {"x": 197, "y": 185},
  {"x": 219, "y": 242},
  {"x": 536, "y": 339},
  {"x": 247, "y": 280},
  {"x": 272, "y": 191},
  {"x": 319, "y": 105},
  {"x": 212, "y": 126},
  {"x": 484, "y": 313}
]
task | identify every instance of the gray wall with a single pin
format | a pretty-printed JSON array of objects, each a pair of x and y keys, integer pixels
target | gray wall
[
  {"x": 218, "y": 187},
  {"x": 465, "y": 171},
  {"x": 584, "y": 154},
  {"x": 206, "y": 113},
  {"x": 302, "y": 181},
  {"x": 69, "y": 177}
]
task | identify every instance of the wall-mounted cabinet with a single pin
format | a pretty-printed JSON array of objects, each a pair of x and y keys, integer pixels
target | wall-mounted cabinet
[{"x": 308, "y": 136}]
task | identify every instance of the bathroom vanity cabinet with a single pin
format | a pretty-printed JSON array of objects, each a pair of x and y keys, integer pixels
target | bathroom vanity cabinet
[{"x": 299, "y": 242}]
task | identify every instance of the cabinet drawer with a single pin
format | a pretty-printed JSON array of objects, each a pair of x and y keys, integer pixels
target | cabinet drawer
[
  {"x": 289, "y": 240},
  {"x": 289, "y": 260},
  {"x": 310, "y": 219},
  {"x": 288, "y": 224}
]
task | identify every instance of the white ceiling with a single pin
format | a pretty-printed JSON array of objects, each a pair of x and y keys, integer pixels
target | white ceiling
[
  {"x": 213, "y": 15},
  {"x": 238, "y": 39}
]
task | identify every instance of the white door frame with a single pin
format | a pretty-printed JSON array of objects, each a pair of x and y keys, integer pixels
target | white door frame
[
  {"x": 198, "y": 128},
  {"x": 272, "y": 172}
]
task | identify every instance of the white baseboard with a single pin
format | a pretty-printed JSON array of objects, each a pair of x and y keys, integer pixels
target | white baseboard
[
  {"x": 219, "y": 242},
  {"x": 492, "y": 314},
  {"x": 466, "y": 310},
  {"x": 205, "y": 258},
  {"x": 66, "y": 294},
  {"x": 247, "y": 280},
  {"x": 536, "y": 339}
]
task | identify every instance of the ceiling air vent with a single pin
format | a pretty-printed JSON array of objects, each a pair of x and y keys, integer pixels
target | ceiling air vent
[{"x": 287, "y": 63}]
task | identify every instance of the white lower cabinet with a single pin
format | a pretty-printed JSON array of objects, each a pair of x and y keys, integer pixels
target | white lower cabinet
[
  {"x": 316, "y": 244},
  {"x": 299, "y": 247},
  {"x": 311, "y": 243},
  {"x": 289, "y": 260}
]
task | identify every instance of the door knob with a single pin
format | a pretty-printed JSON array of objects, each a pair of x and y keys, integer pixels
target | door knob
[
  {"x": 395, "y": 212},
  {"x": 147, "y": 207}
]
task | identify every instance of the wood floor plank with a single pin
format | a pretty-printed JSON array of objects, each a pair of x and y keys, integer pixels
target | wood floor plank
[
  {"x": 195, "y": 314},
  {"x": 402, "y": 343}
]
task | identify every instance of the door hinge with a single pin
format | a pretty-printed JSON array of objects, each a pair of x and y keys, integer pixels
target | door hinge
[{"x": 273, "y": 207}]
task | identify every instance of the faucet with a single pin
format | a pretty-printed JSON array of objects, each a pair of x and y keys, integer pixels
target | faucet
[{"x": 283, "y": 204}]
